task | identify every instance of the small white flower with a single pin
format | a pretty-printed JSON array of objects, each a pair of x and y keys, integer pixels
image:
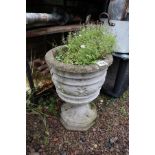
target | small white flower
[
  {"x": 101, "y": 63},
  {"x": 80, "y": 35},
  {"x": 83, "y": 46}
]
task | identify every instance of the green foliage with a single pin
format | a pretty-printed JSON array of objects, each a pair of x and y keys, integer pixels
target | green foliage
[
  {"x": 123, "y": 111},
  {"x": 125, "y": 96},
  {"x": 91, "y": 43},
  {"x": 43, "y": 107}
]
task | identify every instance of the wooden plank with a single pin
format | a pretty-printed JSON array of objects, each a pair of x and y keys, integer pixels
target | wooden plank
[{"x": 51, "y": 30}]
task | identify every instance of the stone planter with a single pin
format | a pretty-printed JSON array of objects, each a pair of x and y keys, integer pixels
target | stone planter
[{"x": 77, "y": 85}]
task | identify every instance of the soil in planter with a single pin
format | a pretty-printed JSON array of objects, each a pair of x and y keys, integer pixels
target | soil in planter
[{"x": 109, "y": 135}]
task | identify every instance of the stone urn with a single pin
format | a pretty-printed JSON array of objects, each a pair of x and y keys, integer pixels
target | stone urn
[{"x": 78, "y": 86}]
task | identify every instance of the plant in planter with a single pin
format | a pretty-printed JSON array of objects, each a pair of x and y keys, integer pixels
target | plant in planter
[{"x": 78, "y": 71}]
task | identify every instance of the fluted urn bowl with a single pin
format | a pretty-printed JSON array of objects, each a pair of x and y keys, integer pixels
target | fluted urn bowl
[{"x": 78, "y": 86}]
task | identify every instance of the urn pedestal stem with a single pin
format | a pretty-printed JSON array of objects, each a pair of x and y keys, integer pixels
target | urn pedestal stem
[{"x": 78, "y": 117}]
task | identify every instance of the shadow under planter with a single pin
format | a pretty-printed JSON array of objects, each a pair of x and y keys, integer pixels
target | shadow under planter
[{"x": 78, "y": 86}]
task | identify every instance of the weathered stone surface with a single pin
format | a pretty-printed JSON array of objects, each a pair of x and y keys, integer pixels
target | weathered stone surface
[
  {"x": 77, "y": 86},
  {"x": 78, "y": 117},
  {"x": 70, "y": 68}
]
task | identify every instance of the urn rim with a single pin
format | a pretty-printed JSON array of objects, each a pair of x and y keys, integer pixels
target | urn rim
[{"x": 52, "y": 62}]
